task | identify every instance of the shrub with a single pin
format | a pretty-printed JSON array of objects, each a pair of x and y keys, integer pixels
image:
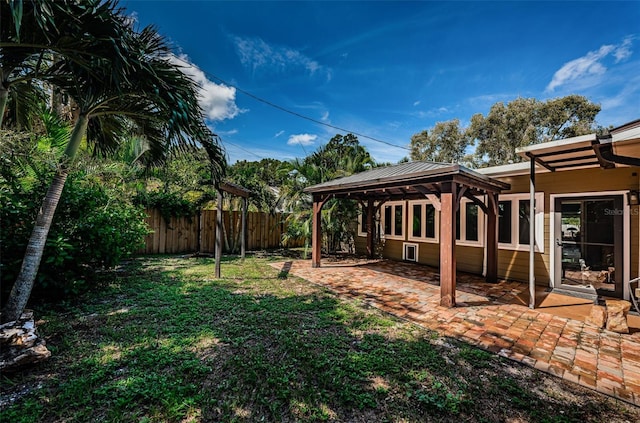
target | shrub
[{"x": 94, "y": 228}]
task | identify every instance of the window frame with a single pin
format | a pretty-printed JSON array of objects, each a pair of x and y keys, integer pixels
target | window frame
[
  {"x": 463, "y": 225},
  {"x": 360, "y": 221},
  {"x": 515, "y": 224},
  {"x": 393, "y": 234},
  {"x": 423, "y": 237}
]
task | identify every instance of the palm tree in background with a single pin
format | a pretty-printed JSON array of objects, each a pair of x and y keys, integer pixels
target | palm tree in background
[
  {"x": 341, "y": 156},
  {"x": 121, "y": 84}
]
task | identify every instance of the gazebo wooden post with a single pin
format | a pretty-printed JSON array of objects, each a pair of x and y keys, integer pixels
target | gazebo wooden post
[
  {"x": 218, "y": 234},
  {"x": 316, "y": 235},
  {"x": 492, "y": 237},
  {"x": 448, "y": 203},
  {"x": 370, "y": 229}
]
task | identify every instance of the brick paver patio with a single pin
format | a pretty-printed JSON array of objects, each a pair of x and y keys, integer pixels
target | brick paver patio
[{"x": 493, "y": 317}]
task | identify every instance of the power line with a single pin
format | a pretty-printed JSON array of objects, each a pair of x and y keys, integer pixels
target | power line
[
  {"x": 319, "y": 122},
  {"x": 291, "y": 112},
  {"x": 243, "y": 149}
]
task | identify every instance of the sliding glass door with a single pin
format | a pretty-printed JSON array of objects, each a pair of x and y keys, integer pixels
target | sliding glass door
[{"x": 588, "y": 235}]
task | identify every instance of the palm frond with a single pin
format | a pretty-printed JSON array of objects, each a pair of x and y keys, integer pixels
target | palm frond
[{"x": 58, "y": 131}]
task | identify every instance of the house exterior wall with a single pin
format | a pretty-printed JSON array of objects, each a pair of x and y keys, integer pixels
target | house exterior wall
[{"x": 513, "y": 264}]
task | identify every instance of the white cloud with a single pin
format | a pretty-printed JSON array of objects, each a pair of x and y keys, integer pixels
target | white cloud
[
  {"x": 256, "y": 54},
  {"x": 416, "y": 103},
  {"x": 623, "y": 51},
  {"x": 431, "y": 113},
  {"x": 302, "y": 139},
  {"x": 217, "y": 100},
  {"x": 227, "y": 133},
  {"x": 588, "y": 68},
  {"x": 278, "y": 134},
  {"x": 325, "y": 117}
]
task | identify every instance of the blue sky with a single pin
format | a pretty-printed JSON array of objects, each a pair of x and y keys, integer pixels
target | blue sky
[{"x": 388, "y": 70}]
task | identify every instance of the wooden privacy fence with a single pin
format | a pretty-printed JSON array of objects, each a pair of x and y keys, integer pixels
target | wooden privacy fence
[{"x": 198, "y": 233}]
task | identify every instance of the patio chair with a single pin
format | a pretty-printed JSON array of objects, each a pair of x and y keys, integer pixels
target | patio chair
[{"x": 634, "y": 293}]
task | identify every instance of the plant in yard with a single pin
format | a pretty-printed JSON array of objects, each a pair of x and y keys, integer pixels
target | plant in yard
[
  {"x": 341, "y": 156},
  {"x": 262, "y": 179},
  {"x": 95, "y": 227},
  {"x": 124, "y": 82}
]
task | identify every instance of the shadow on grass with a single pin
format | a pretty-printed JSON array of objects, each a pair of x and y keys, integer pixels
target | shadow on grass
[{"x": 168, "y": 343}]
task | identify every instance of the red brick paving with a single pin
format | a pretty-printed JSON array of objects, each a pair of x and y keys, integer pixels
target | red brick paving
[{"x": 487, "y": 317}]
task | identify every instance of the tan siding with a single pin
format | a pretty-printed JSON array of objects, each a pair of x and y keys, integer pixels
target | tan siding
[
  {"x": 392, "y": 249},
  {"x": 583, "y": 180},
  {"x": 514, "y": 265},
  {"x": 429, "y": 253},
  {"x": 469, "y": 259}
]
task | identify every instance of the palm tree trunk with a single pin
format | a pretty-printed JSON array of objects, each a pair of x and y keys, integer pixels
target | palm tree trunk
[
  {"x": 4, "y": 97},
  {"x": 23, "y": 285}
]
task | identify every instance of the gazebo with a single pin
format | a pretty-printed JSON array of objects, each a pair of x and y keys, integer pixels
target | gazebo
[{"x": 444, "y": 184}]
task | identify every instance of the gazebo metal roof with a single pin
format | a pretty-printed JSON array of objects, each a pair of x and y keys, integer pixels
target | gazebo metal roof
[{"x": 406, "y": 181}]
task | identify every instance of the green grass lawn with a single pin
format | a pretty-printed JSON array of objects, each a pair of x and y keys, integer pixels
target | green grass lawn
[{"x": 165, "y": 341}]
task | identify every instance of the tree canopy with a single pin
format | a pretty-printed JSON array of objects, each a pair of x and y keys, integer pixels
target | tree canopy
[
  {"x": 521, "y": 122},
  {"x": 261, "y": 178},
  {"x": 445, "y": 143},
  {"x": 526, "y": 121}
]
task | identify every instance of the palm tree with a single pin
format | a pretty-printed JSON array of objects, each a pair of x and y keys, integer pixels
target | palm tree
[
  {"x": 34, "y": 33},
  {"x": 341, "y": 156},
  {"x": 140, "y": 91}
]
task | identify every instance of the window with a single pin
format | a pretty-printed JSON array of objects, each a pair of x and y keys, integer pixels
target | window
[
  {"x": 363, "y": 221},
  {"x": 468, "y": 229},
  {"x": 471, "y": 219},
  {"x": 387, "y": 219},
  {"x": 398, "y": 220},
  {"x": 422, "y": 216},
  {"x": 430, "y": 221},
  {"x": 417, "y": 221},
  {"x": 377, "y": 222},
  {"x": 393, "y": 220},
  {"x": 504, "y": 222},
  {"x": 514, "y": 221}
]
